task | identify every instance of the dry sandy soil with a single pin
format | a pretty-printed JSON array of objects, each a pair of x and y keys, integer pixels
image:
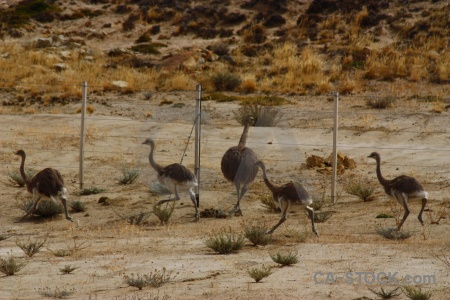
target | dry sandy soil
[{"x": 410, "y": 137}]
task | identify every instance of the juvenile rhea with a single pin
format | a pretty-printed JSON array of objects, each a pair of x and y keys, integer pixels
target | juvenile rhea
[
  {"x": 401, "y": 188},
  {"x": 175, "y": 177},
  {"x": 286, "y": 195},
  {"x": 48, "y": 183},
  {"x": 238, "y": 165}
]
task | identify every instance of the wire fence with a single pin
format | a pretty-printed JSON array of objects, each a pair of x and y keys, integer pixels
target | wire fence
[{"x": 113, "y": 142}]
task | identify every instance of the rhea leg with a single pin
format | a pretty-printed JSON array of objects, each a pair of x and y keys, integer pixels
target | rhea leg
[
  {"x": 311, "y": 216},
  {"x": 177, "y": 197},
  {"x": 403, "y": 200},
  {"x": 424, "y": 203},
  {"x": 236, "y": 207},
  {"x": 36, "y": 198},
  {"x": 284, "y": 205},
  {"x": 194, "y": 201},
  {"x": 64, "y": 203}
]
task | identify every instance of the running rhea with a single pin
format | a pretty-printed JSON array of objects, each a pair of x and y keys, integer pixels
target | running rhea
[
  {"x": 401, "y": 189},
  {"x": 238, "y": 166},
  {"x": 48, "y": 183},
  {"x": 287, "y": 195},
  {"x": 175, "y": 177}
]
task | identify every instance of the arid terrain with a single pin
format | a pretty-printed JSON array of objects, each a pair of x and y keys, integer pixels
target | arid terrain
[{"x": 411, "y": 134}]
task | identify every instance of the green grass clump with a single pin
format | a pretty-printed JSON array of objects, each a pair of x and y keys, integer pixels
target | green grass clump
[
  {"x": 57, "y": 293},
  {"x": 14, "y": 178},
  {"x": 257, "y": 234},
  {"x": 363, "y": 190},
  {"x": 225, "y": 241},
  {"x": 264, "y": 100},
  {"x": 386, "y": 294},
  {"x": 77, "y": 206},
  {"x": 61, "y": 252},
  {"x": 46, "y": 208},
  {"x": 129, "y": 175},
  {"x": 285, "y": 259},
  {"x": 393, "y": 233},
  {"x": 414, "y": 293},
  {"x": 260, "y": 273},
  {"x": 135, "y": 219},
  {"x": 31, "y": 247},
  {"x": 11, "y": 265},
  {"x": 164, "y": 213},
  {"x": 90, "y": 191},
  {"x": 68, "y": 269},
  {"x": 156, "y": 279}
]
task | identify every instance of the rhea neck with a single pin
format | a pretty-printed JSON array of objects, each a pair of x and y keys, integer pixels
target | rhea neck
[
  {"x": 269, "y": 184},
  {"x": 380, "y": 177},
  {"x": 154, "y": 165},
  {"x": 243, "y": 140},
  {"x": 22, "y": 172}
]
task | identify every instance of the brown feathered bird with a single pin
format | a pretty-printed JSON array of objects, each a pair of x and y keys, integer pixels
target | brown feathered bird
[
  {"x": 238, "y": 166},
  {"x": 286, "y": 195},
  {"x": 48, "y": 183},
  {"x": 174, "y": 177},
  {"x": 401, "y": 189}
]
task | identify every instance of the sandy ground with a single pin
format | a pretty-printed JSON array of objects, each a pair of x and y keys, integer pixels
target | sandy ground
[{"x": 410, "y": 138}]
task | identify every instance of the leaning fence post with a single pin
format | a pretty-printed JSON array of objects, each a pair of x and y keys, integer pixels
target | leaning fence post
[
  {"x": 198, "y": 111},
  {"x": 82, "y": 134},
  {"x": 335, "y": 134}
]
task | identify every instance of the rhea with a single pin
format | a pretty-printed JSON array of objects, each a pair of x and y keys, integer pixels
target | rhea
[
  {"x": 48, "y": 183},
  {"x": 175, "y": 177},
  {"x": 238, "y": 165},
  {"x": 401, "y": 189},
  {"x": 287, "y": 195}
]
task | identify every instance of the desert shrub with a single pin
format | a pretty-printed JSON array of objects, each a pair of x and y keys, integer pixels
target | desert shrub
[
  {"x": 129, "y": 175},
  {"x": 15, "y": 178},
  {"x": 442, "y": 257},
  {"x": 393, "y": 233},
  {"x": 46, "y": 208},
  {"x": 31, "y": 247},
  {"x": 380, "y": 102},
  {"x": 248, "y": 86},
  {"x": 260, "y": 273},
  {"x": 386, "y": 294},
  {"x": 90, "y": 191},
  {"x": 11, "y": 265},
  {"x": 443, "y": 212},
  {"x": 257, "y": 234},
  {"x": 359, "y": 188},
  {"x": 61, "y": 252},
  {"x": 135, "y": 219},
  {"x": 156, "y": 279},
  {"x": 264, "y": 116},
  {"x": 129, "y": 25},
  {"x": 164, "y": 213},
  {"x": 285, "y": 259},
  {"x": 144, "y": 38},
  {"x": 77, "y": 206},
  {"x": 57, "y": 293},
  {"x": 414, "y": 293},
  {"x": 68, "y": 269},
  {"x": 264, "y": 100},
  {"x": 220, "y": 49},
  {"x": 225, "y": 241},
  {"x": 298, "y": 235},
  {"x": 147, "y": 48},
  {"x": 225, "y": 81},
  {"x": 255, "y": 34}
]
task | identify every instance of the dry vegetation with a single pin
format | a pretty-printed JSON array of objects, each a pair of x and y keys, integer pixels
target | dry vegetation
[{"x": 276, "y": 60}]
